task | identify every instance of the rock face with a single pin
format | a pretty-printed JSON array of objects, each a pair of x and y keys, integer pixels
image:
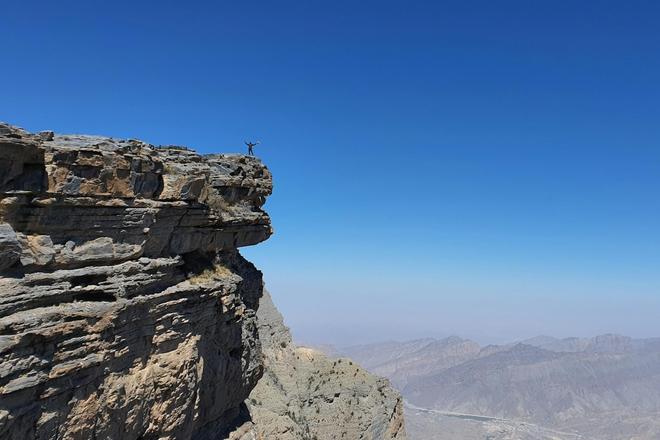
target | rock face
[
  {"x": 126, "y": 310},
  {"x": 304, "y": 395}
]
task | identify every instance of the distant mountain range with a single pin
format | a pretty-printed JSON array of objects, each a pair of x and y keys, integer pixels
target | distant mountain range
[{"x": 606, "y": 387}]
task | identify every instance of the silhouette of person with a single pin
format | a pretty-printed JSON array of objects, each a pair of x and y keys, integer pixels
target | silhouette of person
[{"x": 251, "y": 146}]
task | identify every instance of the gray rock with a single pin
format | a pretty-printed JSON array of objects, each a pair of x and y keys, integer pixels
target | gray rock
[
  {"x": 10, "y": 247},
  {"x": 306, "y": 395},
  {"x": 102, "y": 194},
  {"x": 126, "y": 311}
]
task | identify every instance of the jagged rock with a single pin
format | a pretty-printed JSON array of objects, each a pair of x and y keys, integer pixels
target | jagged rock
[{"x": 306, "y": 395}]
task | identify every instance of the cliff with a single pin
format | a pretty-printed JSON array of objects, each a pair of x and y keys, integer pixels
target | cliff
[{"x": 126, "y": 310}]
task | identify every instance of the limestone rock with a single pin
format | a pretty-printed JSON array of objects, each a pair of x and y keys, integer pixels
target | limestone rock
[
  {"x": 126, "y": 311},
  {"x": 305, "y": 395}
]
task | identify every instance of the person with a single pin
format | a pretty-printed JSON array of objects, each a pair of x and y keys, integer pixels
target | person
[{"x": 250, "y": 146}]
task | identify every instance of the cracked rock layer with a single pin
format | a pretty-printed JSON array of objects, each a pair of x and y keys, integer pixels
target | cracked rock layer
[{"x": 126, "y": 311}]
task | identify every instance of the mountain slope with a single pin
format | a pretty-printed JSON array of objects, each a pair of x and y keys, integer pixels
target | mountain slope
[
  {"x": 305, "y": 395},
  {"x": 603, "y": 387},
  {"x": 584, "y": 391},
  {"x": 404, "y": 361}
]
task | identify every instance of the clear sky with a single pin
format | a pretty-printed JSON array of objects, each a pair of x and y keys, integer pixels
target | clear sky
[{"x": 483, "y": 168}]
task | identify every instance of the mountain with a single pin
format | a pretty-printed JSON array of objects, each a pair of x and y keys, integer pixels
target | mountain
[
  {"x": 608, "y": 343},
  {"x": 128, "y": 313},
  {"x": 404, "y": 361},
  {"x": 603, "y": 387}
]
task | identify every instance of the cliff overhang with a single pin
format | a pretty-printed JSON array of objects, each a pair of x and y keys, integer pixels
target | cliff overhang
[{"x": 126, "y": 310}]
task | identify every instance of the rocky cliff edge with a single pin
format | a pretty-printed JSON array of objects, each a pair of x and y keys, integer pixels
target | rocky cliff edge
[{"x": 126, "y": 310}]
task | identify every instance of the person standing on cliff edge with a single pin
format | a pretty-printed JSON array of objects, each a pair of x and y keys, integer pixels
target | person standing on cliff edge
[{"x": 250, "y": 146}]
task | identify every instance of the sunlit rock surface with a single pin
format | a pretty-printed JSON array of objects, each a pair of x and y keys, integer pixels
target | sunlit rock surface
[
  {"x": 306, "y": 395},
  {"x": 127, "y": 312}
]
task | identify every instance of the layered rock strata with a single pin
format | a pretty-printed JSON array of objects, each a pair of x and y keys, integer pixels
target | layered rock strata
[{"x": 126, "y": 311}]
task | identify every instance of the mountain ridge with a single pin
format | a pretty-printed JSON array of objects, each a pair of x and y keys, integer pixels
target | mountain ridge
[{"x": 600, "y": 387}]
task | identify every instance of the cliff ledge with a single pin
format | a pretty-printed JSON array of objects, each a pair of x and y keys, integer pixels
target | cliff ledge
[{"x": 126, "y": 309}]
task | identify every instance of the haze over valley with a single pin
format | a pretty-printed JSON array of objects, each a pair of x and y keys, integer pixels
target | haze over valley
[{"x": 604, "y": 387}]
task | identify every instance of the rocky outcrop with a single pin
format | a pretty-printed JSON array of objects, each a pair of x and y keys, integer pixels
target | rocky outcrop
[
  {"x": 126, "y": 311},
  {"x": 304, "y": 395}
]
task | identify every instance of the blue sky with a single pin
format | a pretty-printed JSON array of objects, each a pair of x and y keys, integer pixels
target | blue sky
[{"x": 489, "y": 169}]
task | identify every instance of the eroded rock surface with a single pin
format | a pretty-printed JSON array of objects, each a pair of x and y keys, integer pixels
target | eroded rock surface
[
  {"x": 304, "y": 395},
  {"x": 126, "y": 311}
]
